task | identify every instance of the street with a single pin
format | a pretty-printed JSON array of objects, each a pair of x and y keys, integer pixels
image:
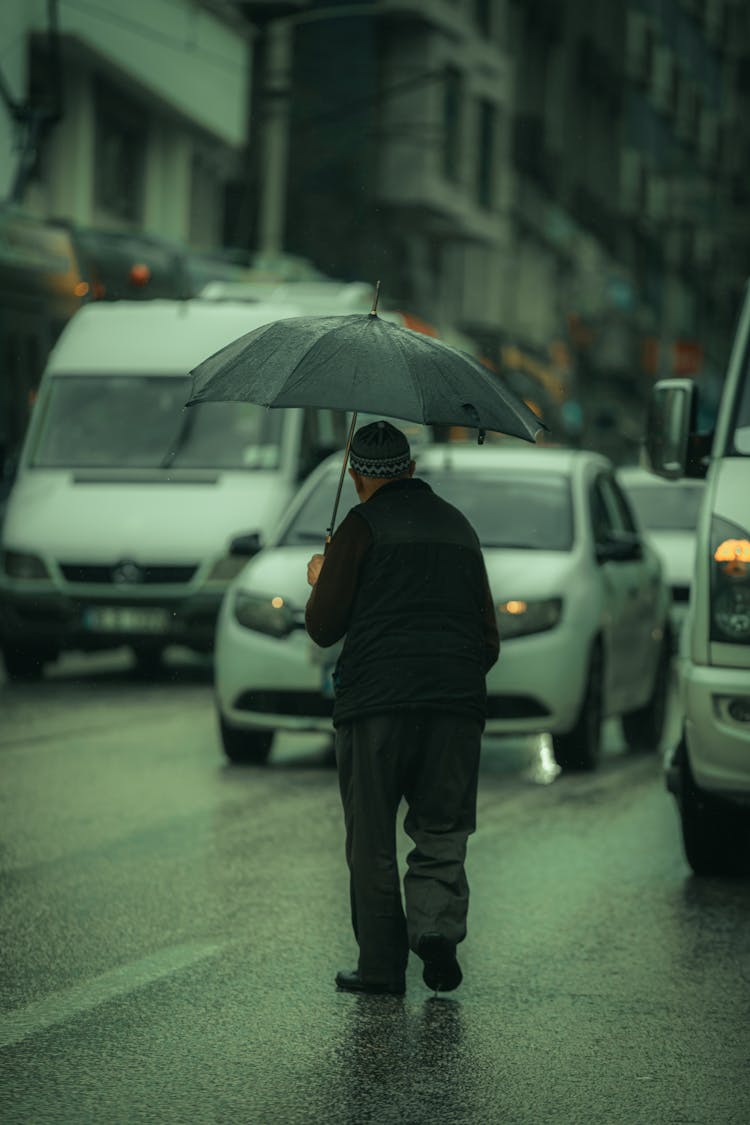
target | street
[{"x": 171, "y": 927}]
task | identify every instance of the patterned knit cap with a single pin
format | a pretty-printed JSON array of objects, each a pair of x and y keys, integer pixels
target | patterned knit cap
[{"x": 379, "y": 450}]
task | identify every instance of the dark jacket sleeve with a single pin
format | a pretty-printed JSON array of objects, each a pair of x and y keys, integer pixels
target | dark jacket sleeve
[
  {"x": 330, "y": 604},
  {"x": 491, "y": 634}
]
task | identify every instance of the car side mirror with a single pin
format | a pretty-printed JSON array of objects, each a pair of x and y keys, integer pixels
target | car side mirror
[
  {"x": 619, "y": 547},
  {"x": 246, "y": 545},
  {"x": 673, "y": 446}
]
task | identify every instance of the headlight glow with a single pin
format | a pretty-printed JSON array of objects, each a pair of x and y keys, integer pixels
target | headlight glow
[
  {"x": 19, "y": 564},
  {"x": 269, "y": 615},
  {"x": 519, "y": 618}
]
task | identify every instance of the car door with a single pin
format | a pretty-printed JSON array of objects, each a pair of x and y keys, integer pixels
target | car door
[
  {"x": 620, "y": 583},
  {"x": 644, "y": 605}
]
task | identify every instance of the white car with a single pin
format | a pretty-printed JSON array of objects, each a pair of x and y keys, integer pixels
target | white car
[
  {"x": 668, "y": 511},
  {"x": 581, "y": 603}
]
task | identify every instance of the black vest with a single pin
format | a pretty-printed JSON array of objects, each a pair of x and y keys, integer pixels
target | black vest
[{"x": 416, "y": 634}]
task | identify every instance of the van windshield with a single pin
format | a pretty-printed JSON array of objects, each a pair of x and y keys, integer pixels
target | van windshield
[{"x": 141, "y": 422}]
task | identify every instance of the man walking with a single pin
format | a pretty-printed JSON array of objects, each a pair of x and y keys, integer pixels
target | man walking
[{"x": 404, "y": 578}]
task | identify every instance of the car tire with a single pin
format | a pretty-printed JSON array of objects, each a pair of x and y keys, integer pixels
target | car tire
[
  {"x": 642, "y": 729},
  {"x": 715, "y": 833},
  {"x": 245, "y": 747},
  {"x": 148, "y": 660},
  {"x": 24, "y": 663},
  {"x": 580, "y": 747}
]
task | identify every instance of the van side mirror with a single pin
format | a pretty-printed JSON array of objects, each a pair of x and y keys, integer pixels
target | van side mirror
[
  {"x": 246, "y": 545},
  {"x": 671, "y": 429}
]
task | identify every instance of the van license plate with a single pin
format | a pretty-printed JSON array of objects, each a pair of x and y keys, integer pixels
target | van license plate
[{"x": 125, "y": 619}]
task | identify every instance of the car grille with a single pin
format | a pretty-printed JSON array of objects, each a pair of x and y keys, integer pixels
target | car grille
[
  {"x": 301, "y": 703},
  {"x": 109, "y": 575},
  {"x": 515, "y": 707}
]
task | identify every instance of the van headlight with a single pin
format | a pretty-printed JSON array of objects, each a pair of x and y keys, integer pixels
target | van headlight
[
  {"x": 19, "y": 564},
  {"x": 269, "y": 615},
  {"x": 519, "y": 618},
  {"x": 730, "y": 582},
  {"x": 225, "y": 569}
]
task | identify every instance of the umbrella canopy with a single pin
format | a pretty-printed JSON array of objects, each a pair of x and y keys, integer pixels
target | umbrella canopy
[{"x": 362, "y": 363}]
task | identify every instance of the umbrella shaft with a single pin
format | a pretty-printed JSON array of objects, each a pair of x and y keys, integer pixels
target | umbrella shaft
[{"x": 329, "y": 532}]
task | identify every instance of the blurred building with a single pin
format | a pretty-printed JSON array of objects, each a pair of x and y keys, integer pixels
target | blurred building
[
  {"x": 564, "y": 183},
  {"x": 560, "y": 185},
  {"x": 127, "y": 116}
]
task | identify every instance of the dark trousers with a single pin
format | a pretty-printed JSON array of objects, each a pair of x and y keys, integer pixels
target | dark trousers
[{"x": 431, "y": 760}]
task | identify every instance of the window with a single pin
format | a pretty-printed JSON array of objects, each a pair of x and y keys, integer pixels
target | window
[
  {"x": 452, "y": 105},
  {"x": 486, "y": 154},
  {"x": 483, "y": 16},
  {"x": 120, "y": 153}
]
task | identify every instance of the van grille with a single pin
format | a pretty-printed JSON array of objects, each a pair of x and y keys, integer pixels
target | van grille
[{"x": 119, "y": 576}]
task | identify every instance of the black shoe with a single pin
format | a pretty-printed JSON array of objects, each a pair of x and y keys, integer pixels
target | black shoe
[
  {"x": 442, "y": 972},
  {"x": 353, "y": 982}
]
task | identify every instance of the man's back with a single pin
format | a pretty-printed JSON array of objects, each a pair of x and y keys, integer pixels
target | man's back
[{"x": 417, "y": 633}]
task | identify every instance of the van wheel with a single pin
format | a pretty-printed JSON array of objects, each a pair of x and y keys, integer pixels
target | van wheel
[
  {"x": 642, "y": 729},
  {"x": 245, "y": 747},
  {"x": 24, "y": 663},
  {"x": 580, "y": 747},
  {"x": 715, "y": 833}
]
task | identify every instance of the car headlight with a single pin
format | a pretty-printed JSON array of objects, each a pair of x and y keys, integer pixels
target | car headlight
[
  {"x": 730, "y": 583},
  {"x": 19, "y": 564},
  {"x": 519, "y": 618},
  {"x": 224, "y": 570},
  {"x": 270, "y": 615}
]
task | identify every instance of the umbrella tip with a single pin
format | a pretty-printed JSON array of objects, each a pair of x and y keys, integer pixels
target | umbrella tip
[{"x": 374, "y": 309}]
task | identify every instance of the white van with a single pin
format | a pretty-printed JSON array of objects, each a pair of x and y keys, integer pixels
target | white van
[
  {"x": 129, "y": 514},
  {"x": 709, "y": 769}
]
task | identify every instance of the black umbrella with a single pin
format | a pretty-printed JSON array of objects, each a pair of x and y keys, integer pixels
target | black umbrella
[{"x": 361, "y": 363}]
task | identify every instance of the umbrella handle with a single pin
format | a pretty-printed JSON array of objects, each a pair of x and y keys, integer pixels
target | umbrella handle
[{"x": 329, "y": 532}]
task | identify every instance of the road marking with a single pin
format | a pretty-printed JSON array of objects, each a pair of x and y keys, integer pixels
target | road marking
[{"x": 72, "y": 1002}]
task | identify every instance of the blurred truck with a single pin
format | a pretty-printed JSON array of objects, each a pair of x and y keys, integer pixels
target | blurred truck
[{"x": 709, "y": 769}]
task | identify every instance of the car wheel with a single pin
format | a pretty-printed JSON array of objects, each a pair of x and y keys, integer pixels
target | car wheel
[
  {"x": 642, "y": 729},
  {"x": 245, "y": 747},
  {"x": 715, "y": 833},
  {"x": 579, "y": 748},
  {"x": 148, "y": 660},
  {"x": 24, "y": 663}
]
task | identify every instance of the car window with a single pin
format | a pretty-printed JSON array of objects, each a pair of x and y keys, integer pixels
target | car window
[
  {"x": 624, "y": 509},
  {"x": 667, "y": 505},
  {"x": 601, "y": 513},
  {"x": 528, "y": 513},
  {"x": 140, "y": 421}
]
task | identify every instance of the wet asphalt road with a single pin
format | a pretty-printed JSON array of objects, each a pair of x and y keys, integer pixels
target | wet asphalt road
[{"x": 170, "y": 928}]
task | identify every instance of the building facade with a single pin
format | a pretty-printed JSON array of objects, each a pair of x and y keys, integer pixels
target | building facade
[
  {"x": 142, "y": 107},
  {"x": 563, "y": 183}
]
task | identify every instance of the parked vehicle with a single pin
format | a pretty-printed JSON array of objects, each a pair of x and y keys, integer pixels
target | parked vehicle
[
  {"x": 119, "y": 522},
  {"x": 581, "y": 602},
  {"x": 709, "y": 769},
  {"x": 668, "y": 513}
]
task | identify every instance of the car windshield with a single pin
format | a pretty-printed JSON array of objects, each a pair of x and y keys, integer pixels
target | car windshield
[
  {"x": 666, "y": 507},
  {"x": 140, "y": 421},
  {"x": 531, "y": 513}
]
